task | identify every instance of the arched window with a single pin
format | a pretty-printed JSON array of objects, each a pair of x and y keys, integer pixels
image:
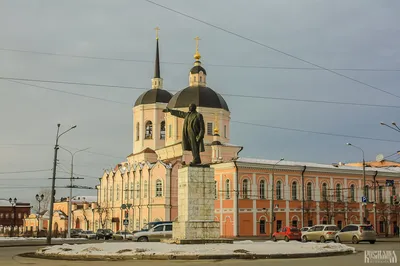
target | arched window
[
  {"x": 324, "y": 191},
  {"x": 262, "y": 189},
  {"x": 366, "y": 192},
  {"x": 159, "y": 188},
  {"x": 352, "y": 193},
  {"x": 111, "y": 193},
  {"x": 309, "y": 191},
  {"x": 149, "y": 130},
  {"x": 194, "y": 78},
  {"x": 126, "y": 192},
  {"x": 227, "y": 189},
  {"x": 278, "y": 190},
  {"x": 117, "y": 192},
  {"x": 162, "y": 130},
  {"x": 201, "y": 79},
  {"x": 145, "y": 187},
  {"x": 245, "y": 189},
  {"x": 137, "y": 130},
  {"x": 294, "y": 190},
  {"x": 380, "y": 194},
  {"x": 338, "y": 192},
  {"x": 137, "y": 190},
  {"x": 215, "y": 190}
]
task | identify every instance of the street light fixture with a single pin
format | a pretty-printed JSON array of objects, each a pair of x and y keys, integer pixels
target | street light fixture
[
  {"x": 364, "y": 186},
  {"x": 53, "y": 184},
  {"x": 39, "y": 199},
  {"x": 272, "y": 219},
  {"x": 396, "y": 128},
  {"x": 126, "y": 217},
  {"x": 70, "y": 189},
  {"x": 13, "y": 203}
]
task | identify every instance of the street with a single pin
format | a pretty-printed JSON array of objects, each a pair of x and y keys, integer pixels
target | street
[{"x": 9, "y": 257}]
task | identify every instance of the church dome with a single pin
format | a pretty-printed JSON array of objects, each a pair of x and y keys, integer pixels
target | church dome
[
  {"x": 199, "y": 95},
  {"x": 196, "y": 69},
  {"x": 154, "y": 96}
]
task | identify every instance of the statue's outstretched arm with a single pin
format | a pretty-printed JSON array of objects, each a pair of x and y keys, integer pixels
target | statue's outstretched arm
[{"x": 177, "y": 113}]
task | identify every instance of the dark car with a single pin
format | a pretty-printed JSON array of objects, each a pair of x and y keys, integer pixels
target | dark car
[
  {"x": 150, "y": 225},
  {"x": 104, "y": 234}
]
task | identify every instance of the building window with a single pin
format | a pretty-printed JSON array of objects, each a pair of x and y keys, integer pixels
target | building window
[
  {"x": 194, "y": 79},
  {"x": 310, "y": 223},
  {"x": 352, "y": 193},
  {"x": 145, "y": 189},
  {"x": 225, "y": 131},
  {"x": 227, "y": 189},
  {"x": 162, "y": 130},
  {"x": 169, "y": 131},
  {"x": 137, "y": 190},
  {"x": 209, "y": 129},
  {"x": 245, "y": 189},
  {"x": 380, "y": 194},
  {"x": 309, "y": 191},
  {"x": 7, "y": 216},
  {"x": 340, "y": 224},
  {"x": 19, "y": 215},
  {"x": 137, "y": 224},
  {"x": 262, "y": 226},
  {"x": 201, "y": 79},
  {"x": 111, "y": 193},
  {"x": 278, "y": 190},
  {"x": 381, "y": 227},
  {"x": 137, "y": 130},
  {"x": 126, "y": 192},
  {"x": 158, "y": 188},
  {"x": 338, "y": 192},
  {"x": 278, "y": 225},
  {"x": 294, "y": 223},
  {"x": 215, "y": 190},
  {"x": 294, "y": 190},
  {"x": 366, "y": 193},
  {"x": 149, "y": 130},
  {"x": 132, "y": 188},
  {"x": 1, "y": 215},
  {"x": 105, "y": 194},
  {"x": 324, "y": 191},
  {"x": 117, "y": 192},
  {"x": 262, "y": 189}
]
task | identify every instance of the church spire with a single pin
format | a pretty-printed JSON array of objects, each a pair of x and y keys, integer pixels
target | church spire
[
  {"x": 157, "y": 81},
  {"x": 197, "y": 75}
]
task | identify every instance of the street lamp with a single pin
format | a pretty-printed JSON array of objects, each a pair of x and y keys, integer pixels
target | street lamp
[
  {"x": 53, "y": 184},
  {"x": 13, "y": 203},
  {"x": 70, "y": 189},
  {"x": 271, "y": 224},
  {"x": 126, "y": 217},
  {"x": 363, "y": 162},
  {"x": 39, "y": 199},
  {"x": 394, "y": 126}
]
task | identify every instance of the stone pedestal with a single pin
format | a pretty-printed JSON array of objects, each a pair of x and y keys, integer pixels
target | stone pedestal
[{"x": 196, "y": 195}]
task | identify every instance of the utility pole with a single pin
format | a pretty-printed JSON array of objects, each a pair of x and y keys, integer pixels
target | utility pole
[
  {"x": 53, "y": 183},
  {"x": 302, "y": 186},
  {"x": 272, "y": 218}
]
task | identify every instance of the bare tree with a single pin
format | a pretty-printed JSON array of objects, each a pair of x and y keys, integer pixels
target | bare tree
[{"x": 45, "y": 203}]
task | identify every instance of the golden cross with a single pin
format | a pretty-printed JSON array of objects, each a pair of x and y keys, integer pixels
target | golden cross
[
  {"x": 197, "y": 43},
  {"x": 157, "y": 30}
]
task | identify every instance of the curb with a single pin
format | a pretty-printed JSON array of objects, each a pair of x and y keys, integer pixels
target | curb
[
  {"x": 185, "y": 257},
  {"x": 36, "y": 244}
]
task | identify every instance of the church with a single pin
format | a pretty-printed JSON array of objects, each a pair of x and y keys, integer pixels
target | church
[{"x": 303, "y": 194}]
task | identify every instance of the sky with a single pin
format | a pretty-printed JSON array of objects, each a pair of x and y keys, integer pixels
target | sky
[{"x": 252, "y": 51}]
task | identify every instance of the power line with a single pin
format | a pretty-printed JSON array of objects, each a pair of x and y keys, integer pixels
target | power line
[
  {"x": 223, "y": 94},
  {"x": 273, "y": 49},
  {"x": 183, "y": 63},
  {"x": 25, "y": 171}
]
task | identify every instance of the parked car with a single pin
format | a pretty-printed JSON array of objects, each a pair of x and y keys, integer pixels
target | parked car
[
  {"x": 104, "y": 234},
  {"x": 305, "y": 229},
  {"x": 155, "y": 234},
  {"x": 287, "y": 233},
  {"x": 150, "y": 225},
  {"x": 75, "y": 233},
  {"x": 120, "y": 235},
  {"x": 356, "y": 233},
  {"x": 322, "y": 233},
  {"x": 87, "y": 234}
]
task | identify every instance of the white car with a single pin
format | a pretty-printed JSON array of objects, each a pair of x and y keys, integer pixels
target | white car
[
  {"x": 155, "y": 234},
  {"x": 87, "y": 234},
  {"x": 121, "y": 235}
]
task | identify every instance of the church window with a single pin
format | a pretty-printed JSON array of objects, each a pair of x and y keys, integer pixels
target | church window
[
  {"x": 137, "y": 190},
  {"x": 137, "y": 130},
  {"x": 169, "y": 131},
  {"x": 126, "y": 192},
  {"x": 162, "y": 130},
  {"x": 145, "y": 189},
  {"x": 131, "y": 192},
  {"x": 227, "y": 189},
  {"x": 245, "y": 189},
  {"x": 111, "y": 193},
  {"x": 209, "y": 129},
  {"x": 159, "y": 188},
  {"x": 278, "y": 190},
  {"x": 117, "y": 192},
  {"x": 224, "y": 131},
  {"x": 201, "y": 79},
  {"x": 262, "y": 189},
  {"x": 294, "y": 190},
  {"x": 194, "y": 78},
  {"x": 149, "y": 130}
]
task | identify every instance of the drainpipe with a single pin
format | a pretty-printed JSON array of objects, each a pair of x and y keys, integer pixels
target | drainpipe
[
  {"x": 149, "y": 198},
  {"x": 376, "y": 173},
  {"x": 302, "y": 186},
  {"x": 236, "y": 184}
]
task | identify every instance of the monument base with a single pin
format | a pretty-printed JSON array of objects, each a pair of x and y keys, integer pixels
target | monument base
[{"x": 197, "y": 241}]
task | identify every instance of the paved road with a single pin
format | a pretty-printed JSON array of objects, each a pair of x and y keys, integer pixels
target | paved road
[{"x": 9, "y": 257}]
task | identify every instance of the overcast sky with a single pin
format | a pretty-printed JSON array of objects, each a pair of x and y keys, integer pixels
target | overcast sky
[{"x": 358, "y": 34}]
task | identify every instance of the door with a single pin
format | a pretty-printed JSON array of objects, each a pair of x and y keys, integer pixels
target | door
[
  {"x": 156, "y": 233},
  {"x": 346, "y": 234},
  {"x": 167, "y": 231},
  {"x": 282, "y": 233}
]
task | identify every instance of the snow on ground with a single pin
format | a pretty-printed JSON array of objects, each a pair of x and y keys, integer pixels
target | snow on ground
[
  {"x": 35, "y": 238},
  {"x": 242, "y": 247}
]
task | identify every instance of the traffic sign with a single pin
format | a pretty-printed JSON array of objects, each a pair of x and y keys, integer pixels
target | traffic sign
[
  {"x": 389, "y": 183},
  {"x": 126, "y": 222},
  {"x": 364, "y": 199}
]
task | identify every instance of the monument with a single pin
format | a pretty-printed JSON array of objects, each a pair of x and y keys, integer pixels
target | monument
[{"x": 195, "y": 223}]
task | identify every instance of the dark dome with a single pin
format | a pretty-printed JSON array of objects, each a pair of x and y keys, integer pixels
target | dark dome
[
  {"x": 154, "y": 96},
  {"x": 197, "y": 69},
  {"x": 200, "y": 96}
]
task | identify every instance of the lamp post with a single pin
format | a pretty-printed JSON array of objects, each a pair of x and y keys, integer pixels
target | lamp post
[
  {"x": 53, "y": 184},
  {"x": 272, "y": 218},
  {"x": 394, "y": 126},
  {"x": 13, "y": 203},
  {"x": 39, "y": 199},
  {"x": 70, "y": 189},
  {"x": 363, "y": 162},
  {"x": 126, "y": 217}
]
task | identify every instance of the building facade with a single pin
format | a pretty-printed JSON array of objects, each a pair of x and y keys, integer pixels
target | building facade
[{"x": 13, "y": 216}]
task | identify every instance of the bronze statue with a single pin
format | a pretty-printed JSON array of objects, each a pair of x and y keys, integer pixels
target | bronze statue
[{"x": 193, "y": 131}]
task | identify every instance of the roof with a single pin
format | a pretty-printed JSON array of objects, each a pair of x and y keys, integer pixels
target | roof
[
  {"x": 199, "y": 95},
  {"x": 154, "y": 96},
  {"x": 197, "y": 69},
  {"x": 76, "y": 199}
]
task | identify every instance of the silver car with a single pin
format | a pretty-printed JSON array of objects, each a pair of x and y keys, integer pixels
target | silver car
[
  {"x": 356, "y": 233},
  {"x": 155, "y": 234}
]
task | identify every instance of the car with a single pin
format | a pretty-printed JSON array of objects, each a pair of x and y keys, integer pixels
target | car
[
  {"x": 87, "y": 234},
  {"x": 287, "y": 233},
  {"x": 155, "y": 234},
  {"x": 304, "y": 229},
  {"x": 121, "y": 235},
  {"x": 104, "y": 234},
  {"x": 322, "y": 233},
  {"x": 150, "y": 225},
  {"x": 75, "y": 232},
  {"x": 356, "y": 233}
]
